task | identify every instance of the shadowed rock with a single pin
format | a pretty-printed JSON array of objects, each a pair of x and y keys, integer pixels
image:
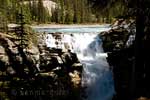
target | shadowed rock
[{"x": 119, "y": 43}]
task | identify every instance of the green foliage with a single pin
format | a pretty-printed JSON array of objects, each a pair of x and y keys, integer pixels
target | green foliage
[
  {"x": 27, "y": 13},
  {"x": 42, "y": 12},
  {"x": 72, "y": 11},
  {"x": 33, "y": 10},
  {"x": 62, "y": 14},
  {"x": 65, "y": 12},
  {"x": 106, "y": 10},
  {"x": 3, "y": 23},
  {"x": 69, "y": 18},
  {"x": 31, "y": 36}
]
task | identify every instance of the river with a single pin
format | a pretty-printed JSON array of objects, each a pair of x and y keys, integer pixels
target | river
[{"x": 86, "y": 43}]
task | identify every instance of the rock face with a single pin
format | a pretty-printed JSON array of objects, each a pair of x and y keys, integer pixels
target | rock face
[
  {"x": 39, "y": 73},
  {"x": 12, "y": 56},
  {"x": 120, "y": 36},
  {"x": 118, "y": 42}
]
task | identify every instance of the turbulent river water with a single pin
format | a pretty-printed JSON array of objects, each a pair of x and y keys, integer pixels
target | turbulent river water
[{"x": 86, "y": 43}]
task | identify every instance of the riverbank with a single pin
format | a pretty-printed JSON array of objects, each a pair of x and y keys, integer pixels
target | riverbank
[{"x": 65, "y": 25}]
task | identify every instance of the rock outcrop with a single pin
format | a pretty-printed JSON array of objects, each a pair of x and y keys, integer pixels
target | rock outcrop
[
  {"x": 118, "y": 42},
  {"x": 13, "y": 56},
  {"x": 38, "y": 73}
]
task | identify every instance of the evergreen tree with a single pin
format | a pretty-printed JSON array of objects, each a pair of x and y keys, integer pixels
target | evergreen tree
[
  {"x": 41, "y": 11},
  {"x": 62, "y": 7},
  {"x": 27, "y": 13},
  {"x": 43, "y": 14},
  {"x": 68, "y": 14},
  {"x": 67, "y": 11},
  {"x": 82, "y": 7},
  {"x": 34, "y": 10},
  {"x": 54, "y": 17},
  {"x": 76, "y": 17}
]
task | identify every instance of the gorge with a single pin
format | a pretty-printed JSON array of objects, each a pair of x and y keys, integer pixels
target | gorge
[{"x": 85, "y": 42}]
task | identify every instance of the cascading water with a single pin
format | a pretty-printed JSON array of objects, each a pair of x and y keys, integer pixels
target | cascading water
[{"x": 97, "y": 76}]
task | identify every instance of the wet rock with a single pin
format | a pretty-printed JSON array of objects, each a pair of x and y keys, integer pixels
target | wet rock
[
  {"x": 47, "y": 74},
  {"x": 75, "y": 78},
  {"x": 77, "y": 66},
  {"x": 57, "y": 35}
]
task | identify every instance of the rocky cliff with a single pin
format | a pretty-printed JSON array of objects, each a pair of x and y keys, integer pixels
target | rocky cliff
[
  {"x": 38, "y": 73},
  {"x": 118, "y": 42}
]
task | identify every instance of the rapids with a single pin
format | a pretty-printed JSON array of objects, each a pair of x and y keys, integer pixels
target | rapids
[{"x": 86, "y": 43}]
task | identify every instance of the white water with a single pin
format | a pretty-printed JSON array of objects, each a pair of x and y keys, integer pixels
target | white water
[{"x": 97, "y": 76}]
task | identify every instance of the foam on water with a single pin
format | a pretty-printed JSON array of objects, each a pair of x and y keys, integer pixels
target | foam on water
[{"x": 97, "y": 76}]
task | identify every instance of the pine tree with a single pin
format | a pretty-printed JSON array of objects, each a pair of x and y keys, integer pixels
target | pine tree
[
  {"x": 41, "y": 11},
  {"x": 34, "y": 10},
  {"x": 68, "y": 14},
  {"x": 62, "y": 7},
  {"x": 27, "y": 13},
  {"x": 54, "y": 17},
  {"x": 76, "y": 18}
]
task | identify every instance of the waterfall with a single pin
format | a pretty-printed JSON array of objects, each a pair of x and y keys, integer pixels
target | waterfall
[{"x": 97, "y": 76}]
